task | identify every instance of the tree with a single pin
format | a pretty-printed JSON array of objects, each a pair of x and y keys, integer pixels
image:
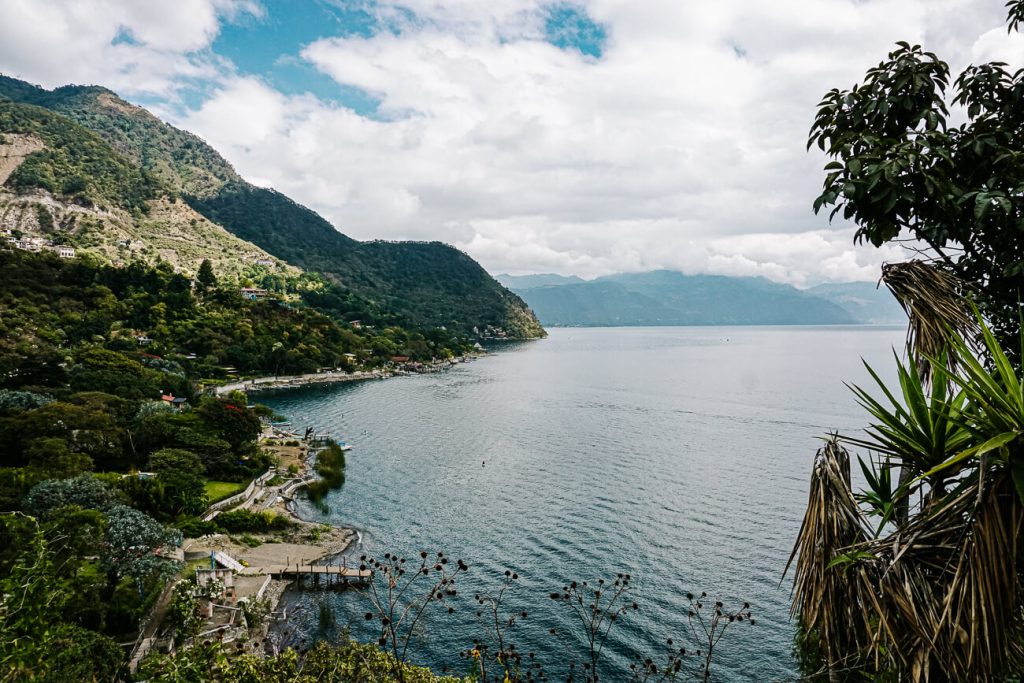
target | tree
[
  {"x": 919, "y": 578},
  {"x": 13, "y": 401},
  {"x": 87, "y": 429},
  {"x": 98, "y": 369},
  {"x": 899, "y": 169},
  {"x": 131, "y": 546},
  {"x": 180, "y": 474},
  {"x": 52, "y": 458},
  {"x": 205, "y": 278},
  {"x": 231, "y": 421},
  {"x": 85, "y": 491},
  {"x": 36, "y": 643}
]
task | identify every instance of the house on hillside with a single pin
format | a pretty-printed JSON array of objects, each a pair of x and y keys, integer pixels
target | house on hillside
[
  {"x": 178, "y": 403},
  {"x": 264, "y": 262},
  {"x": 254, "y": 293},
  {"x": 29, "y": 244},
  {"x": 65, "y": 252}
]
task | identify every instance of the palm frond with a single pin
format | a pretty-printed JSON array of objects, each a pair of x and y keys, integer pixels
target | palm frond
[
  {"x": 919, "y": 429},
  {"x": 938, "y": 595},
  {"x": 832, "y": 525},
  {"x": 937, "y": 304}
]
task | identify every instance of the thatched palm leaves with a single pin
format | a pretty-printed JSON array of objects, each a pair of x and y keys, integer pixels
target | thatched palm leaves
[
  {"x": 931, "y": 591},
  {"x": 934, "y": 301}
]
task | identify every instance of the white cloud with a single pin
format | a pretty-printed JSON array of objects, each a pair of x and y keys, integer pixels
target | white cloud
[
  {"x": 136, "y": 48},
  {"x": 682, "y": 146}
]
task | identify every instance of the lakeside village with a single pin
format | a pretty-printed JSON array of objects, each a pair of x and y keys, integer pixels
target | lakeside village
[{"x": 231, "y": 584}]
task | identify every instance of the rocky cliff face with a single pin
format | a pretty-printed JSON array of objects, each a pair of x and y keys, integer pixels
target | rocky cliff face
[{"x": 13, "y": 150}]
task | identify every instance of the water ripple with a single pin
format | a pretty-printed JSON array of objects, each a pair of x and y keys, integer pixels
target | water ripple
[{"x": 679, "y": 455}]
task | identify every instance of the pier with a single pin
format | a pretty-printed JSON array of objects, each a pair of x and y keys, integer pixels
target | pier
[{"x": 315, "y": 570}]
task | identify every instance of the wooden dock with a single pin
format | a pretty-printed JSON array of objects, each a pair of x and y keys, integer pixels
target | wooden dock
[{"x": 316, "y": 570}]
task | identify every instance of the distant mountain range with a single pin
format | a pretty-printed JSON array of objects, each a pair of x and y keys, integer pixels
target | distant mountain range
[{"x": 669, "y": 298}]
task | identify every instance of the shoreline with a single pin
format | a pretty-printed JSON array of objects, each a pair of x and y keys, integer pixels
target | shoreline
[
  {"x": 258, "y": 384},
  {"x": 305, "y": 543}
]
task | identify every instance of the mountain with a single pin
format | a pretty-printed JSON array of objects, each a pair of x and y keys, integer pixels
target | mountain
[
  {"x": 539, "y": 280},
  {"x": 867, "y": 302},
  {"x": 414, "y": 283},
  {"x": 62, "y": 183},
  {"x": 669, "y": 298}
]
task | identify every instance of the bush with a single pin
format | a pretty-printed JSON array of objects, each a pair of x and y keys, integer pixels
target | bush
[
  {"x": 242, "y": 521},
  {"x": 193, "y": 527},
  {"x": 330, "y": 465}
]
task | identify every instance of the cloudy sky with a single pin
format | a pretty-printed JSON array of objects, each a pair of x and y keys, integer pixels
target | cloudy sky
[{"x": 580, "y": 137}]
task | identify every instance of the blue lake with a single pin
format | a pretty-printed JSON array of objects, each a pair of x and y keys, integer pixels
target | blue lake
[{"x": 678, "y": 455}]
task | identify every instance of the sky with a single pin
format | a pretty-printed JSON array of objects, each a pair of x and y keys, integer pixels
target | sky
[{"x": 579, "y": 138}]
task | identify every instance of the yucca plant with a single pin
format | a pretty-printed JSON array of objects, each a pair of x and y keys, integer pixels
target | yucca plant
[
  {"x": 916, "y": 431},
  {"x": 931, "y": 593},
  {"x": 997, "y": 421}
]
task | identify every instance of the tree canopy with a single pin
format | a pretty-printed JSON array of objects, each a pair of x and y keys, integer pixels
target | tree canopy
[{"x": 901, "y": 169}]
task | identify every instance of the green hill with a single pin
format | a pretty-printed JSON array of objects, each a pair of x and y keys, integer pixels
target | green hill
[
  {"x": 418, "y": 284},
  {"x": 74, "y": 163},
  {"x": 180, "y": 160},
  {"x": 62, "y": 183}
]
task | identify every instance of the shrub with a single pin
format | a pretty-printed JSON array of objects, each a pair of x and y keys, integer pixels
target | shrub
[
  {"x": 193, "y": 527},
  {"x": 242, "y": 521}
]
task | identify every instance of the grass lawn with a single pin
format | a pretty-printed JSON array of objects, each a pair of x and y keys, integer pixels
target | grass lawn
[
  {"x": 219, "y": 490},
  {"x": 190, "y": 567}
]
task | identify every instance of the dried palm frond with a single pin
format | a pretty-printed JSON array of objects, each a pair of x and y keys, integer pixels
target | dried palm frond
[
  {"x": 936, "y": 600},
  {"x": 936, "y": 303},
  {"x": 832, "y": 524},
  {"x": 949, "y": 588}
]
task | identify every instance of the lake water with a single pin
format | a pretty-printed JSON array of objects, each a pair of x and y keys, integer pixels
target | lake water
[{"x": 678, "y": 455}]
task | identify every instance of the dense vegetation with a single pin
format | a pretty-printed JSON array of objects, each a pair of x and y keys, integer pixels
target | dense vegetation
[
  {"x": 181, "y": 161},
  {"x": 76, "y": 163},
  {"x": 423, "y": 284},
  {"x": 919, "y": 574},
  {"x": 83, "y": 550},
  {"x": 346, "y": 661},
  {"x": 418, "y": 285},
  {"x": 56, "y": 311}
]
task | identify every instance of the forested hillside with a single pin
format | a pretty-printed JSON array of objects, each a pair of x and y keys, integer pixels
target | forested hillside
[
  {"x": 54, "y": 310},
  {"x": 415, "y": 284},
  {"x": 75, "y": 163}
]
